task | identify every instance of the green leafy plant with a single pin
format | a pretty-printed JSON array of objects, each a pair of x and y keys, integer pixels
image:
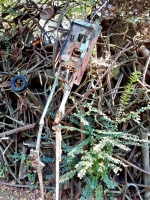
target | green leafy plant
[
  {"x": 126, "y": 97},
  {"x": 19, "y": 156},
  {"x": 92, "y": 160},
  {"x": 3, "y": 170},
  {"x": 22, "y": 157},
  {"x": 135, "y": 115}
]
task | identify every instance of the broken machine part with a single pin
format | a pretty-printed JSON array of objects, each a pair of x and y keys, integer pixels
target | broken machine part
[{"x": 77, "y": 49}]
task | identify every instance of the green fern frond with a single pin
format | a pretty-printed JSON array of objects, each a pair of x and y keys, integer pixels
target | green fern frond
[
  {"x": 135, "y": 115},
  {"x": 67, "y": 176},
  {"x": 126, "y": 97},
  {"x": 110, "y": 184},
  {"x": 92, "y": 159},
  {"x": 99, "y": 193}
]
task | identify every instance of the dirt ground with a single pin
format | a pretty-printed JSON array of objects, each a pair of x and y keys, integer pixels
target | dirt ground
[{"x": 14, "y": 193}]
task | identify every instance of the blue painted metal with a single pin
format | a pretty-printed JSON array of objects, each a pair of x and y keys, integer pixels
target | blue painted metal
[{"x": 22, "y": 86}]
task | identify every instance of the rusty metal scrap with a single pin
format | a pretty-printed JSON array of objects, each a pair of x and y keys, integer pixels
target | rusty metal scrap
[
  {"x": 27, "y": 63},
  {"x": 44, "y": 62},
  {"x": 29, "y": 60},
  {"x": 77, "y": 49}
]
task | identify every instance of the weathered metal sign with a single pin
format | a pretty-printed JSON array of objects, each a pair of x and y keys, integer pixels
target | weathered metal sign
[{"x": 77, "y": 49}]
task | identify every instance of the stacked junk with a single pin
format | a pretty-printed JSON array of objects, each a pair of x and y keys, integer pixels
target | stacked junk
[
  {"x": 45, "y": 59},
  {"x": 40, "y": 61}
]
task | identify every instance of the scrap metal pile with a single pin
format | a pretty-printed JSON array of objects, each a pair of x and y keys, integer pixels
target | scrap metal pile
[{"x": 44, "y": 59}]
